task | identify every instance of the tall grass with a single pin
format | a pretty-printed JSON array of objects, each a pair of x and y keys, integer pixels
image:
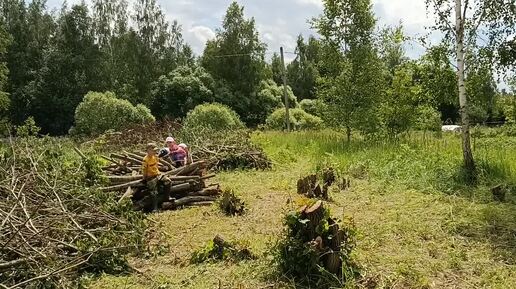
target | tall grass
[{"x": 425, "y": 162}]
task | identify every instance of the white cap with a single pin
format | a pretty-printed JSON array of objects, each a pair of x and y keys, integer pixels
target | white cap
[
  {"x": 170, "y": 139},
  {"x": 182, "y": 145}
]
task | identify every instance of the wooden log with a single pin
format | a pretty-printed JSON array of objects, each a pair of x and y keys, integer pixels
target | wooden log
[
  {"x": 181, "y": 188},
  {"x": 186, "y": 201},
  {"x": 121, "y": 166},
  {"x": 128, "y": 159},
  {"x": 124, "y": 179},
  {"x": 186, "y": 187},
  {"x": 213, "y": 191},
  {"x": 122, "y": 186},
  {"x": 185, "y": 178},
  {"x": 182, "y": 171}
]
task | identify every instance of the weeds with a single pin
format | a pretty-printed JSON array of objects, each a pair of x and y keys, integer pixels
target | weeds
[
  {"x": 230, "y": 204},
  {"x": 218, "y": 250}
]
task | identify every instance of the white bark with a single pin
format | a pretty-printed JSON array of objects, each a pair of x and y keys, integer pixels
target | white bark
[{"x": 463, "y": 101}]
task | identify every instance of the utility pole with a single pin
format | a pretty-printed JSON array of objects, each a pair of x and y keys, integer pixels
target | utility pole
[{"x": 287, "y": 116}]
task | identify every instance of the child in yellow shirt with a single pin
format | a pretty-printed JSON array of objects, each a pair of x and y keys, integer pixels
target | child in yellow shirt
[
  {"x": 150, "y": 163},
  {"x": 151, "y": 172}
]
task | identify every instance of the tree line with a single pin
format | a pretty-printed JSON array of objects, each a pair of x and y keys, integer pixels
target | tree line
[{"x": 354, "y": 75}]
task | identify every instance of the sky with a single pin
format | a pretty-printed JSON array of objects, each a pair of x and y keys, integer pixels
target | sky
[{"x": 279, "y": 22}]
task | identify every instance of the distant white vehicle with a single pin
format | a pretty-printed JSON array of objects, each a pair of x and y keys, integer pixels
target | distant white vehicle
[{"x": 451, "y": 128}]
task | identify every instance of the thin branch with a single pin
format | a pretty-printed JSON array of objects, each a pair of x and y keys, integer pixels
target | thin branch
[
  {"x": 13, "y": 263},
  {"x": 45, "y": 276},
  {"x": 442, "y": 17}
]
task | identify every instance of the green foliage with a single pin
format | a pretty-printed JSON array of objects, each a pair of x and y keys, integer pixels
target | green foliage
[
  {"x": 313, "y": 106},
  {"x": 213, "y": 116},
  {"x": 397, "y": 109},
  {"x": 302, "y": 72},
  {"x": 99, "y": 112},
  {"x": 298, "y": 259},
  {"x": 241, "y": 75},
  {"x": 391, "y": 49},
  {"x": 438, "y": 81},
  {"x": 299, "y": 120},
  {"x": 270, "y": 97},
  {"x": 353, "y": 86},
  {"x": 230, "y": 204},
  {"x": 220, "y": 250},
  {"x": 508, "y": 103},
  {"x": 428, "y": 119},
  {"x": 481, "y": 90},
  {"x": 5, "y": 102},
  {"x": 29, "y": 128},
  {"x": 175, "y": 94}
]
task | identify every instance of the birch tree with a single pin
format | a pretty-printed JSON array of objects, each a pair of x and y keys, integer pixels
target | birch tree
[{"x": 467, "y": 23}]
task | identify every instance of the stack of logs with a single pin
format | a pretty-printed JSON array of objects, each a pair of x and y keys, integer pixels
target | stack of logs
[
  {"x": 188, "y": 183},
  {"x": 328, "y": 245}
]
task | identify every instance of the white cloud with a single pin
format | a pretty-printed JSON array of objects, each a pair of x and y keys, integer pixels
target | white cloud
[
  {"x": 198, "y": 36},
  {"x": 202, "y": 33},
  {"x": 317, "y": 3}
]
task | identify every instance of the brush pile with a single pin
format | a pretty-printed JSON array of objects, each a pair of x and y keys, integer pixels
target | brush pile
[
  {"x": 228, "y": 150},
  {"x": 225, "y": 150},
  {"x": 187, "y": 184},
  {"x": 52, "y": 226}
]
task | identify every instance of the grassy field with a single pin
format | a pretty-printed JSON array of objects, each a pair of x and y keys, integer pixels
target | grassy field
[{"x": 420, "y": 223}]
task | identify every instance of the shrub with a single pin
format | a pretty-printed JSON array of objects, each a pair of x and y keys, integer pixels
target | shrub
[
  {"x": 29, "y": 128},
  {"x": 181, "y": 90},
  {"x": 212, "y": 116},
  {"x": 428, "y": 119},
  {"x": 99, "y": 112},
  {"x": 312, "y": 106},
  {"x": 230, "y": 204},
  {"x": 299, "y": 120},
  {"x": 220, "y": 250}
]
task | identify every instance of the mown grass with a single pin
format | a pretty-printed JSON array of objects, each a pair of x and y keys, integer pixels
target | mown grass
[{"x": 420, "y": 224}]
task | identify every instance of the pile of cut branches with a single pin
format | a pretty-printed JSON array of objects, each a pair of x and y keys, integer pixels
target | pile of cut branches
[
  {"x": 227, "y": 150},
  {"x": 188, "y": 183},
  {"x": 52, "y": 228},
  {"x": 135, "y": 135}
]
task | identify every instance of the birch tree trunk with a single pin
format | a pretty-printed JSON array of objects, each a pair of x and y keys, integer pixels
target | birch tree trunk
[{"x": 469, "y": 162}]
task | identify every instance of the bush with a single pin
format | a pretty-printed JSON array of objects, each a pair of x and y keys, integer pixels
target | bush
[
  {"x": 299, "y": 120},
  {"x": 175, "y": 94},
  {"x": 29, "y": 128},
  {"x": 428, "y": 119},
  {"x": 312, "y": 106},
  {"x": 99, "y": 112},
  {"x": 212, "y": 116}
]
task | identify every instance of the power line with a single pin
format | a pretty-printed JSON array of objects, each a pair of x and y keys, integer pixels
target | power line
[{"x": 249, "y": 54}]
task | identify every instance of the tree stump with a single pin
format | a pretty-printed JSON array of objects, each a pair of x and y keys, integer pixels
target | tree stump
[
  {"x": 329, "y": 176},
  {"x": 306, "y": 185},
  {"x": 332, "y": 260},
  {"x": 315, "y": 215},
  {"x": 344, "y": 184},
  {"x": 498, "y": 193}
]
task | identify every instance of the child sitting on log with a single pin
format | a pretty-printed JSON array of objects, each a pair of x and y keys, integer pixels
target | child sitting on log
[
  {"x": 175, "y": 152},
  {"x": 155, "y": 182}
]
